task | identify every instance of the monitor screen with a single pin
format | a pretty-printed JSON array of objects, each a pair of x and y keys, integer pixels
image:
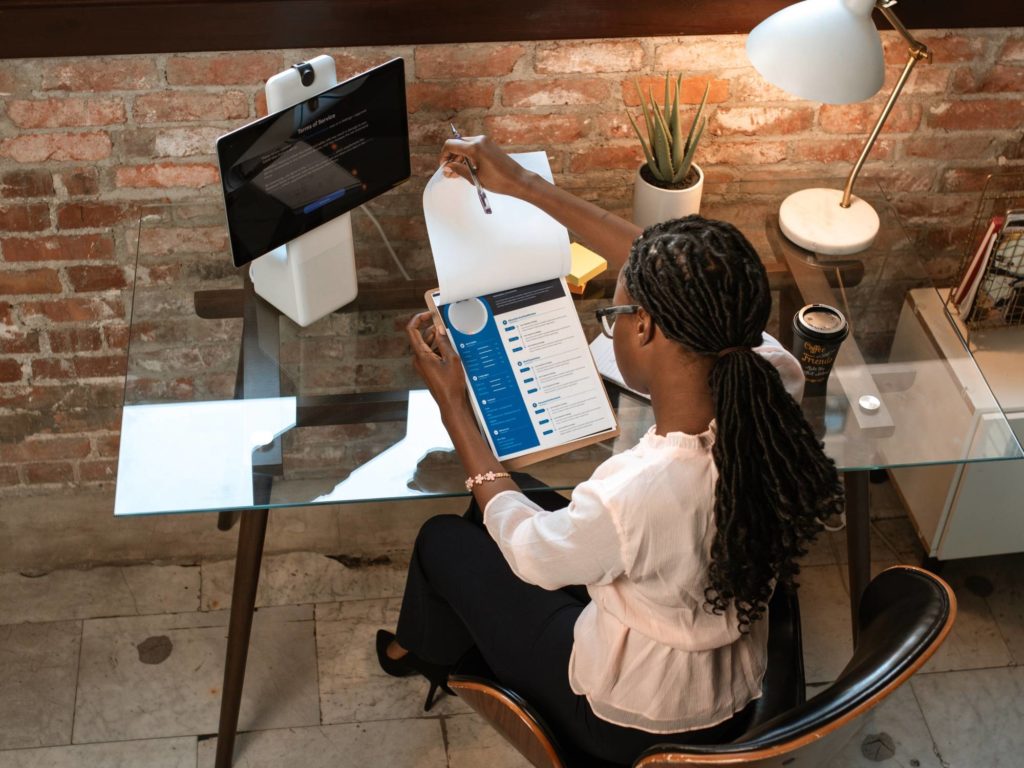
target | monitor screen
[{"x": 292, "y": 171}]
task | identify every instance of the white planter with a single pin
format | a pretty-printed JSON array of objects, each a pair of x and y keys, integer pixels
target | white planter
[{"x": 652, "y": 204}]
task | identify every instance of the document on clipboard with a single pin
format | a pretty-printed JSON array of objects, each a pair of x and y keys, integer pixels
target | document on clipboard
[{"x": 506, "y": 308}]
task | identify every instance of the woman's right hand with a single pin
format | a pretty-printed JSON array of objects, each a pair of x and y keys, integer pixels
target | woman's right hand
[{"x": 496, "y": 171}]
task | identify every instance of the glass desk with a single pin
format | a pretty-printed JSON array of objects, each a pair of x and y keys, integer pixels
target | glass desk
[{"x": 231, "y": 407}]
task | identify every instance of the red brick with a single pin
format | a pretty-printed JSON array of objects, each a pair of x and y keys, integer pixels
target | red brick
[
  {"x": 946, "y": 47},
  {"x": 48, "y": 473},
  {"x": 32, "y": 217},
  {"x": 1012, "y": 50},
  {"x": 448, "y": 97},
  {"x": 18, "y": 343},
  {"x": 980, "y": 114},
  {"x": 712, "y": 53},
  {"x": 837, "y": 150},
  {"x": 81, "y": 181},
  {"x": 73, "y": 310},
  {"x": 223, "y": 69},
  {"x": 860, "y": 118},
  {"x": 74, "y": 340},
  {"x": 691, "y": 90},
  {"x": 56, "y": 147},
  {"x": 100, "y": 74},
  {"x": 928, "y": 79},
  {"x": 116, "y": 336},
  {"x": 534, "y": 129},
  {"x": 108, "y": 445},
  {"x": 186, "y": 142},
  {"x": 65, "y": 113},
  {"x": 45, "y": 448},
  {"x": 581, "y": 57},
  {"x": 9, "y": 476},
  {"x": 26, "y": 281},
  {"x": 58, "y": 248},
  {"x": 97, "y": 471},
  {"x": 447, "y": 62},
  {"x": 965, "y": 179},
  {"x": 167, "y": 175},
  {"x": 602, "y": 158},
  {"x": 548, "y": 92},
  {"x": 1000, "y": 78},
  {"x": 944, "y": 147},
  {"x": 760, "y": 121},
  {"x": 178, "y": 107},
  {"x": 10, "y": 370},
  {"x": 52, "y": 369},
  {"x": 260, "y": 103},
  {"x": 100, "y": 367},
  {"x": 26, "y": 184},
  {"x": 614, "y": 126},
  {"x": 98, "y": 277},
  {"x": 83, "y": 215},
  {"x": 165, "y": 241},
  {"x": 740, "y": 152},
  {"x": 15, "y": 77}
]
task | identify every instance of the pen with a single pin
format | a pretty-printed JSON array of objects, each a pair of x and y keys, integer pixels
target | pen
[{"x": 472, "y": 172}]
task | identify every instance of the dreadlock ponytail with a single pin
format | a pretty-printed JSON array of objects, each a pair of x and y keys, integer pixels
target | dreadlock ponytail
[{"x": 705, "y": 288}]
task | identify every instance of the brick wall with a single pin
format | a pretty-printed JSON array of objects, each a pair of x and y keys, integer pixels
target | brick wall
[{"x": 85, "y": 143}]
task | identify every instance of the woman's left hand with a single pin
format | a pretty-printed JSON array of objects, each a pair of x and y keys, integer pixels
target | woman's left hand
[{"x": 437, "y": 364}]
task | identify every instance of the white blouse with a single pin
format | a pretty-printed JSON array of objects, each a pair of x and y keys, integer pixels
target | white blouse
[{"x": 638, "y": 534}]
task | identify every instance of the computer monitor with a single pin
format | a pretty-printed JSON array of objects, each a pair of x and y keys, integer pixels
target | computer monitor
[{"x": 290, "y": 180}]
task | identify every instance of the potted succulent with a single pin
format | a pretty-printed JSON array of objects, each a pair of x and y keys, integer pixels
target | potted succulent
[{"x": 669, "y": 184}]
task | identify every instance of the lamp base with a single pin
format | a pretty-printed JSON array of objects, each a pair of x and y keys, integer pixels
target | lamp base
[{"x": 814, "y": 219}]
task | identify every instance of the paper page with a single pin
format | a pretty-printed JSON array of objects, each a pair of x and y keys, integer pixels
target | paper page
[
  {"x": 604, "y": 357},
  {"x": 527, "y": 364},
  {"x": 476, "y": 253},
  {"x": 180, "y": 457}
]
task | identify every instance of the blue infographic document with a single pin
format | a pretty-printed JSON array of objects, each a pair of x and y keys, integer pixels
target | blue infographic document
[{"x": 534, "y": 385}]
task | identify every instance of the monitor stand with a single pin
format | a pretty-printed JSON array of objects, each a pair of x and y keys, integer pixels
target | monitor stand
[{"x": 314, "y": 274}]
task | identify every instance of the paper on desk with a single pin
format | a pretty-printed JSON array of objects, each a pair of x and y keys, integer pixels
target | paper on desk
[
  {"x": 477, "y": 253},
  {"x": 182, "y": 457}
]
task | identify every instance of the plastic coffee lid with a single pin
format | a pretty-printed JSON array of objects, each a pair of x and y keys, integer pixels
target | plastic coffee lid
[{"x": 821, "y": 321}]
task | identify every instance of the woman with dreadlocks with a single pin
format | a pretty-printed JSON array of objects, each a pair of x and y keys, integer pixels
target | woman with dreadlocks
[{"x": 679, "y": 541}]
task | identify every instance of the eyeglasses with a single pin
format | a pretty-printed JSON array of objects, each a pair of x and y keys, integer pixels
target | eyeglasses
[{"x": 607, "y": 316}]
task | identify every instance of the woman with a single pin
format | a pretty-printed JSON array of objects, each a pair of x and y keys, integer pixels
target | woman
[{"x": 679, "y": 541}]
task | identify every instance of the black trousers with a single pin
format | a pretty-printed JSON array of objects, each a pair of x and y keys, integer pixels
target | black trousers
[{"x": 462, "y": 595}]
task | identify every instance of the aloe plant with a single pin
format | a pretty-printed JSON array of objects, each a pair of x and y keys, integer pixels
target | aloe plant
[{"x": 669, "y": 158}]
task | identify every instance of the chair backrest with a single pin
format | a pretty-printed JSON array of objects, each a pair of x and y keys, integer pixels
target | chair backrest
[
  {"x": 510, "y": 716},
  {"x": 525, "y": 730},
  {"x": 904, "y": 616}
]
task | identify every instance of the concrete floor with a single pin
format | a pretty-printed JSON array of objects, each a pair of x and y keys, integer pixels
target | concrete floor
[{"x": 121, "y": 665}]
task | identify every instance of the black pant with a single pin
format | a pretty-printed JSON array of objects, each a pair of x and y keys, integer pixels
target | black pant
[{"x": 461, "y": 594}]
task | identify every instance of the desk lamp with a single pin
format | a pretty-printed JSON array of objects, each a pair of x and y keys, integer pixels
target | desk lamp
[{"x": 830, "y": 51}]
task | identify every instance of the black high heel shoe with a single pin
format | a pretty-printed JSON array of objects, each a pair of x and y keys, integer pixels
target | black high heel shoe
[{"x": 410, "y": 665}]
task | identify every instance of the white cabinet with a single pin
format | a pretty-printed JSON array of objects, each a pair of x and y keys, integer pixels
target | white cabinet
[{"x": 967, "y": 510}]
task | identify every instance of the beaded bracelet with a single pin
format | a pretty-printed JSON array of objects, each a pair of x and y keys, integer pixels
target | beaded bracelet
[{"x": 486, "y": 477}]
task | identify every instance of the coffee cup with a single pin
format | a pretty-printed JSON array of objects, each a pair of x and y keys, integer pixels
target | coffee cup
[{"x": 818, "y": 330}]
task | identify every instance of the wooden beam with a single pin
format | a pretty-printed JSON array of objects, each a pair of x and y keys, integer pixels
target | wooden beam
[{"x": 31, "y": 28}]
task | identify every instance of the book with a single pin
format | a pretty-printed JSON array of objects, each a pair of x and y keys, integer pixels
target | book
[
  {"x": 966, "y": 290},
  {"x": 504, "y": 302}
]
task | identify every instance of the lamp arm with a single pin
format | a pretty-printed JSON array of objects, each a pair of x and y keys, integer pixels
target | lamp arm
[{"x": 918, "y": 51}]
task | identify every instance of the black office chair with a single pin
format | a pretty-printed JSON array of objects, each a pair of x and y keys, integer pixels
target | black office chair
[{"x": 905, "y": 614}]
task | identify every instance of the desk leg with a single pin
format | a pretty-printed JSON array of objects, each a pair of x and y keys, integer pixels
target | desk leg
[
  {"x": 251, "y": 534},
  {"x": 858, "y": 539}
]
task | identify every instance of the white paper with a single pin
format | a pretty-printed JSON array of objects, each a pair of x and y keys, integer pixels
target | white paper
[
  {"x": 476, "y": 253},
  {"x": 181, "y": 457},
  {"x": 604, "y": 357}
]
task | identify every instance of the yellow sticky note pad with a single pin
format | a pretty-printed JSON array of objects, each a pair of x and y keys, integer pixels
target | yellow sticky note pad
[{"x": 586, "y": 265}]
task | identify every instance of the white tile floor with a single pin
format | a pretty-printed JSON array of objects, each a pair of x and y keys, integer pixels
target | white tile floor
[{"x": 122, "y": 666}]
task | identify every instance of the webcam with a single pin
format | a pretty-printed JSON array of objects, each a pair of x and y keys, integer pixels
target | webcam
[{"x": 306, "y": 73}]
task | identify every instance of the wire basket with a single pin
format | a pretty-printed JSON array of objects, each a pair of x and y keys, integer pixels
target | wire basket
[{"x": 989, "y": 289}]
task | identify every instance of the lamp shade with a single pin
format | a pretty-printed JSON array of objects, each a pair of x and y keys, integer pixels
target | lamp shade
[{"x": 820, "y": 50}]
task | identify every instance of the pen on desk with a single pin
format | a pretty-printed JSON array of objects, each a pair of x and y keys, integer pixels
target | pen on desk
[{"x": 472, "y": 172}]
